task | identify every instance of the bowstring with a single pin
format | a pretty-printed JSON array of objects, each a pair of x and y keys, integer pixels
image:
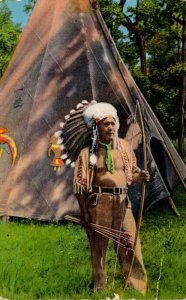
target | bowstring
[
  {"x": 123, "y": 210},
  {"x": 142, "y": 201},
  {"x": 133, "y": 126}
]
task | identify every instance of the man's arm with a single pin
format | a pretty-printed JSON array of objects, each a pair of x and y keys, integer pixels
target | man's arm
[{"x": 136, "y": 175}]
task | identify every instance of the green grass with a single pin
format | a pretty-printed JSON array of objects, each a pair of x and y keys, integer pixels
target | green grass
[{"x": 52, "y": 261}]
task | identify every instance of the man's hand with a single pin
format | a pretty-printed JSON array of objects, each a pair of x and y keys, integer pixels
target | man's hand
[{"x": 141, "y": 177}]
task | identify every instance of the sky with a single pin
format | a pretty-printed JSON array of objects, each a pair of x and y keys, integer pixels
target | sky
[
  {"x": 19, "y": 15},
  {"x": 17, "y": 9}
]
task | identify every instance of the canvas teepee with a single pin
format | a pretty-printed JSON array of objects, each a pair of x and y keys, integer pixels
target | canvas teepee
[{"x": 65, "y": 55}]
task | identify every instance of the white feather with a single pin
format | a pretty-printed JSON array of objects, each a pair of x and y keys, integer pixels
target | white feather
[
  {"x": 79, "y": 105},
  {"x": 72, "y": 111},
  {"x": 62, "y": 124},
  {"x": 68, "y": 161},
  {"x": 59, "y": 141},
  {"x": 67, "y": 117},
  {"x": 93, "y": 159},
  {"x": 62, "y": 147},
  {"x": 72, "y": 164},
  {"x": 93, "y": 101},
  {"x": 84, "y": 102},
  {"x": 58, "y": 133},
  {"x": 64, "y": 156},
  {"x": 99, "y": 110}
]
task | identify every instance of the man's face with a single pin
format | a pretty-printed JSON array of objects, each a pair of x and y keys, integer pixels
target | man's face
[{"x": 107, "y": 129}]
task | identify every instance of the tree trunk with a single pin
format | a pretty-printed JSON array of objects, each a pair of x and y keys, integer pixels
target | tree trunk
[
  {"x": 178, "y": 45},
  {"x": 142, "y": 53},
  {"x": 182, "y": 94},
  {"x": 141, "y": 46}
]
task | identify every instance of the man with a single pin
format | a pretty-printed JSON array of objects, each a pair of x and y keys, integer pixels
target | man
[{"x": 102, "y": 174}]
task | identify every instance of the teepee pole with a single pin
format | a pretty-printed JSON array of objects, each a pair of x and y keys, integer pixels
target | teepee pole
[
  {"x": 176, "y": 168},
  {"x": 172, "y": 206}
]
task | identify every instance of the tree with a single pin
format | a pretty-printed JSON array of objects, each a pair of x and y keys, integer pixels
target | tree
[
  {"x": 169, "y": 58},
  {"x": 181, "y": 129},
  {"x": 140, "y": 21},
  {"x": 178, "y": 10},
  {"x": 156, "y": 39},
  {"x": 29, "y": 5},
  {"x": 9, "y": 35}
]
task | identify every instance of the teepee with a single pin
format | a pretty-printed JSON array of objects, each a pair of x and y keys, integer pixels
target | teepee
[{"x": 66, "y": 55}]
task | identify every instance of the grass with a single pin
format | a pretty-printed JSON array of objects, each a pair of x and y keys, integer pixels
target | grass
[{"x": 52, "y": 261}]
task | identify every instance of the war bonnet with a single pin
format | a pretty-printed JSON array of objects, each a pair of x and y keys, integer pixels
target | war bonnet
[
  {"x": 97, "y": 112},
  {"x": 79, "y": 129}
]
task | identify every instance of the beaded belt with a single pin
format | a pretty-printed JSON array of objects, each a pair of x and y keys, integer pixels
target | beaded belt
[{"x": 109, "y": 190}]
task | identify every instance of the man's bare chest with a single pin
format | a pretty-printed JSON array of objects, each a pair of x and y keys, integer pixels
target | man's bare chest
[{"x": 117, "y": 160}]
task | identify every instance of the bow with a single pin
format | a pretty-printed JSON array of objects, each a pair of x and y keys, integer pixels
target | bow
[{"x": 143, "y": 190}]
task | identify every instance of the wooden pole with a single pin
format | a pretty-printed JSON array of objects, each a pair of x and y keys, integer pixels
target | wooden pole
[{"x": 172, "y": 206}]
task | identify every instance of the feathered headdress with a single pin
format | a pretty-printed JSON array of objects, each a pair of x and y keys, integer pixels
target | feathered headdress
[
  {"x": 80, "y": 129},
  {"x": 97, "y": 112}
]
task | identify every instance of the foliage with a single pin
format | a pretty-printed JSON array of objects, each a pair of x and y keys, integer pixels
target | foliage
[
  {"x": 115, "y": 18},
  {"x": 29, "y": 5},
  {"x": 158, "y": 23},
  {"x": 9, "y": 35},
  {"x": 52, "y": 261}
]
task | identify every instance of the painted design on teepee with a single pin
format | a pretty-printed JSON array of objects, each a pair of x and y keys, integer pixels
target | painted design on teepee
[
  {"x": 55, "y": 152},
  {"x": 7, "y": 144}
]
